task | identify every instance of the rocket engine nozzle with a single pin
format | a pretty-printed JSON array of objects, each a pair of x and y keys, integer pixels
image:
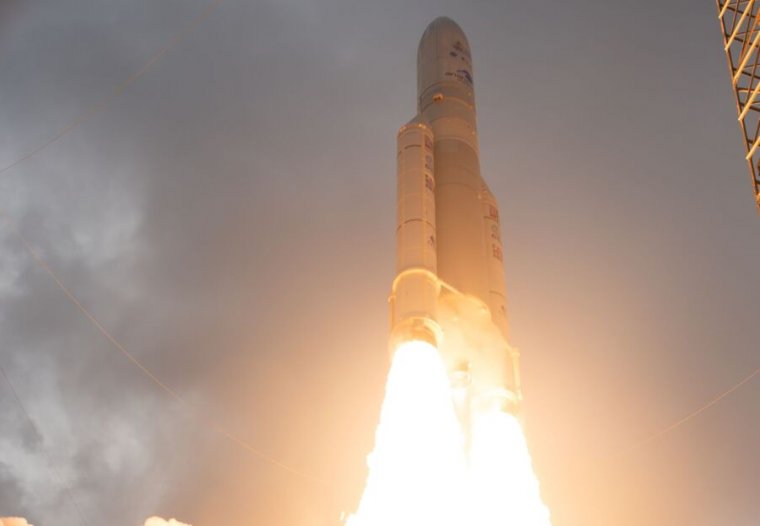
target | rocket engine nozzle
[
  {"x": 499, "y": 399},
  {"x": 415, "y": 329},
  {"x": 413, "y": 303}
]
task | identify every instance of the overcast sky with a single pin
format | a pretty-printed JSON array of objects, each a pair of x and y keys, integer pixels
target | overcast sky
[{"x": 230, "y": 220}]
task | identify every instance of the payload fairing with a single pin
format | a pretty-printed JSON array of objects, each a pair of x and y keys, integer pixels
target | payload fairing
[{"x": 450, "y": 289}]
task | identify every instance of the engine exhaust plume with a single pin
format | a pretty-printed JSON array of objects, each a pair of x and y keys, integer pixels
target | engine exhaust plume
[
  {"x": 422, "y": 471},
  {"x": 502, "y": 487},
  {"x": 416, "y": 467}
]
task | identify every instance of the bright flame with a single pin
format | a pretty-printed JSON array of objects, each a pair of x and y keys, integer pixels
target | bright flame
[
  {"x": 422, "y": 473},
  {"x": 415, "y": 469},
  {"x": 503, "y": 489}
]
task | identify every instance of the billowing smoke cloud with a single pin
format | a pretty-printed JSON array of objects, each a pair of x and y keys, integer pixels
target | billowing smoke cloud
[{"x": 158, "y": 521}]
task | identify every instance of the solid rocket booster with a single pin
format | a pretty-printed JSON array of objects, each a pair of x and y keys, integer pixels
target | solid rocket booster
[{"x": 449, "y": 254}]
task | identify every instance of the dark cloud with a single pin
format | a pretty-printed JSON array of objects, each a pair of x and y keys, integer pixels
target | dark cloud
[
  {"x": 12, "y": 494},
  {"x": 229, "y": 219}
]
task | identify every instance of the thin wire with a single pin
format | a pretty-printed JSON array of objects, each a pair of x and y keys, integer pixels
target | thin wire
[
  {"x": 102, "y": 104},
  {"x": 654, "y": 436},
  {"x": 671, "y": 427},
  {"x": 611, "y": 458},
  {"x": 137, "y": 363},
  {"x": 51, "y": 465}
]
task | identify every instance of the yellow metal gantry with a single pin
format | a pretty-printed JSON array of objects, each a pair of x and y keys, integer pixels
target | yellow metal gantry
[{"x": 740, "y": 22}]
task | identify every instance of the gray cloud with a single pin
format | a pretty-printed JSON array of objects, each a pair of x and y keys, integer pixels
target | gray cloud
[{"x": 12, "y": 494}]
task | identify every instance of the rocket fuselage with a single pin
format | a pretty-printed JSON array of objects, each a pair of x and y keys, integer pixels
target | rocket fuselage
[
  {"x": 449, "y": 251},
  {"x": 469, "y": 242}
]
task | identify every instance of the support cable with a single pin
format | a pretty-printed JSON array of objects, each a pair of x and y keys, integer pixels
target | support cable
[{"x": 693, "y": 414}]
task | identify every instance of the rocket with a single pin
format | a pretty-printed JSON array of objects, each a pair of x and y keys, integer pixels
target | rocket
[{"x": 449, "y": 288}]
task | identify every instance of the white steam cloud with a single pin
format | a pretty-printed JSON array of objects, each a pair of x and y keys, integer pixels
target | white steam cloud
[{"x": 158, "y": 521}]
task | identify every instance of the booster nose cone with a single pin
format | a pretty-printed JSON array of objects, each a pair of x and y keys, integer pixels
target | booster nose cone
[{"x": 444, "y": 63}]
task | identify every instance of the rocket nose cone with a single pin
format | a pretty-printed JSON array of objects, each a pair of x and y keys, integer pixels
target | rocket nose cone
[
  {"x": 441, "y": 33},
  {"x": 446, "y": 25},
  {"x": 443, "y": 55}
]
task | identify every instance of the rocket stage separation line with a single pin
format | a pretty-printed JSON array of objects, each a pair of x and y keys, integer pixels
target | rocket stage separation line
[
  {"x": 220, "y": 429},
  {"x": 119, "y": 90}
]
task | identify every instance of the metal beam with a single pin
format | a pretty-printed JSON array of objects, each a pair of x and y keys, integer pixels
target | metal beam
[{"x": 740, "y": 25}]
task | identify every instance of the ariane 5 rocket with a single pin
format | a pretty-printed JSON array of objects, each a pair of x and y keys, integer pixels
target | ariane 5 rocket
[{"x": 449, "y": 288}]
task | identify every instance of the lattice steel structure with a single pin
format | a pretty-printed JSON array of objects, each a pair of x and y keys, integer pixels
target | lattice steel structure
[{"x": 740, "y": 21}]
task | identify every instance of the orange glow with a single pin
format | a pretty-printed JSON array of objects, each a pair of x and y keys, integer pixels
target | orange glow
[{"x": 422, "y": 471}]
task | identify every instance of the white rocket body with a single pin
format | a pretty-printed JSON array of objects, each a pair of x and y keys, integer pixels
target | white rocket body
[{"x": 450, "y": 287}]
